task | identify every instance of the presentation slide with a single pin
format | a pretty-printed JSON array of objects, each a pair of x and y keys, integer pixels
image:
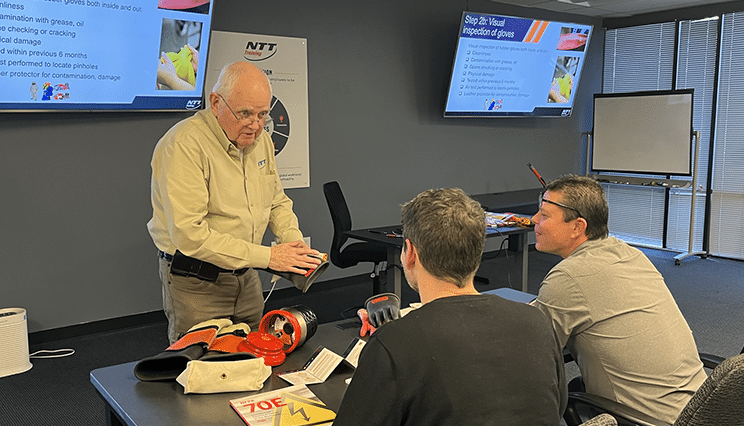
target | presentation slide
[
  {"x": 516, "y": 65},
  {"x": 103, "y": 54}
]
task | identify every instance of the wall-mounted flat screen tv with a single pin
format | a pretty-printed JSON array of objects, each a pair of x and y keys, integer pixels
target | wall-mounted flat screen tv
[
  {"x": 507, "y": 66},
  {"x": 101, "y": 55}
]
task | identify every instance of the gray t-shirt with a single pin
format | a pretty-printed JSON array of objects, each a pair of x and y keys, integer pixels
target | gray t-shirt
[{"x": 612, "y": 309}]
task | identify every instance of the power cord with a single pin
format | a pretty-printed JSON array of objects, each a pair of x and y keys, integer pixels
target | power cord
[
  {"x": 506, "y": 254},
  {"x": 273, "y": 286},
  {"x": 56, "y": 353}
]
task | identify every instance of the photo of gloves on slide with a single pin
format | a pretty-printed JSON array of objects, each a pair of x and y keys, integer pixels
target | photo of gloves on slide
[
  {"x": 563, "y": 79},
  {"x": 178, "y": 61},
  {"x": 177, "y": 71}
]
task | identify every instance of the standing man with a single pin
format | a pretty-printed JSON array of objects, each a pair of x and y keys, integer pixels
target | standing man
[
  {"x": 462, "y": 358},
  {"x": 611, "y": 307},
  {"x": 215, "y": 190}
]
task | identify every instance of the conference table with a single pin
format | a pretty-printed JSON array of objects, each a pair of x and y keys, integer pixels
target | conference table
[
  {"x": 522, "y": 202},
  {"x": 131, "y": 402}
]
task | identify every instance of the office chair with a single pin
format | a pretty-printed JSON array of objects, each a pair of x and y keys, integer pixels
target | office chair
[
  {"x": 603, "y": 419},
  {"x": 719, "y": 401},
  {"x": 354, "y": 253}
]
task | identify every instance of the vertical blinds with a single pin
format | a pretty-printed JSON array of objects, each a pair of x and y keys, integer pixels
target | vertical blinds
[
  {"x": 727, "y": 199},
  {"x": 641, "y": 58},
  {"x": 637, "y": 59},
  {"x": 696, "y": 68}
]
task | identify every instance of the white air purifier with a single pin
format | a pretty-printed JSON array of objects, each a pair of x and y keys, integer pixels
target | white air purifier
[{"x": 14, "y": 356}]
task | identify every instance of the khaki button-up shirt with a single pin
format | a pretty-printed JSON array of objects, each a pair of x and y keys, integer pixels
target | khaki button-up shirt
[{"x": 214, "y": 203}]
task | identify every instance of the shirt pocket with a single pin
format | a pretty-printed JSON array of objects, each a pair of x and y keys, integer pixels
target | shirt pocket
[{"x": 268, "y": 189}]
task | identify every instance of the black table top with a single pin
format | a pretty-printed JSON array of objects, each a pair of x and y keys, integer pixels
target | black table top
[{"x": 164, "y": 403}]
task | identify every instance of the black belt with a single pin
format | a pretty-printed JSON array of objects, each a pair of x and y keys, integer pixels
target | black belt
[{"x": 189, "y": 266}]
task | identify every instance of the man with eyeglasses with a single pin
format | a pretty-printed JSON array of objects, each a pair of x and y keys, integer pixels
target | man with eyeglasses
[
  {"x": 215, "y": 191},
  {"x": 611, "y": 308}
]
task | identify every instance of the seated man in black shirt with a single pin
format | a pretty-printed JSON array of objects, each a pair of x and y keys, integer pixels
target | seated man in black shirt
[{"x": 462, "y": 358}]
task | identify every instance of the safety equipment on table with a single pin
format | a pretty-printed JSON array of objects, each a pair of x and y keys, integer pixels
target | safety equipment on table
[
  {"x": 292, "y": 326},
  {"x": 303, "y": 281},
  {"x": 264, "y": 346},
  {"x": 207, "y": 359},
  {"x": 219, "y": 341},
  {"x": 223, "y": 367},
  {"x": 192, "y": 345},
  {"x": 224, "y": 346},
  {"x": 224, "y": 376},
  {"x": 382, "y": 308}
]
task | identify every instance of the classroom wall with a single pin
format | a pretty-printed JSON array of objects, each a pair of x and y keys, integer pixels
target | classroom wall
[{"x": 75, "y": 186}]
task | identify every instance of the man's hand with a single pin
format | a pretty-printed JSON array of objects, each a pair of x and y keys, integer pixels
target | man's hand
[
  {"x": 366, "y": 326},
  {"x": 295, "y": 257},
  {"x": 167, "y": 76},
  {"x": 382, "y": 308}
]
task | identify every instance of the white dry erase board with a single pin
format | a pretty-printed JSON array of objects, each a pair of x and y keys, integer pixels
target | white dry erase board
[{"x": 643, "y": 132}]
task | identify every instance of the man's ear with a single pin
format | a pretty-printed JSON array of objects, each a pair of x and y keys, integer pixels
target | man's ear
[
  {"x": 580, "y": 226},
  {"x": 411, "y": 256},
  {"x": 214, "y": 101}
]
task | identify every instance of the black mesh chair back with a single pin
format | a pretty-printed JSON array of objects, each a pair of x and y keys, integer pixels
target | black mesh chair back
[
  {"x": 603, "y": 419},
  {"x": 346, "y": 256},
  {"x": 720, "y": 399},
  {"x": 341, "y": 221}
]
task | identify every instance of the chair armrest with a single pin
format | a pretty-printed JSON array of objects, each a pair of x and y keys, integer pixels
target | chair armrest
[
  {"x": 624, "y": 415},
  {"x": 567, "y": 357},
  {"x": 710, "y": 361}
]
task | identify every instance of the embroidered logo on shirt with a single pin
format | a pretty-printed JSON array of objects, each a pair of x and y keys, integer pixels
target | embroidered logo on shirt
[{"x": 262, "y": 164}]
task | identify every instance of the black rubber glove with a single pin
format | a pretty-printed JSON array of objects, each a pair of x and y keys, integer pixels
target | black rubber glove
[{"x": 382, "y": 308}]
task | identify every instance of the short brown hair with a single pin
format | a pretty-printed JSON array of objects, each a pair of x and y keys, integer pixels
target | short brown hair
[
  {"x": 587, "y": 196},
  {"x": 448, "y": 229}
]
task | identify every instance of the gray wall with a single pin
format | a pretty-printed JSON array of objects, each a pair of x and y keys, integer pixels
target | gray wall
[{"x": 75, "y": 186}]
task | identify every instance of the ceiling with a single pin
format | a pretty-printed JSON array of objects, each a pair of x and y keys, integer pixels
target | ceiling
[{"x": 609, "y": 8}]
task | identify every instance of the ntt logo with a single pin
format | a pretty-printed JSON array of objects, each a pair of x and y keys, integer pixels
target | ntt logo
[
  {"x": 259, "y": 50},
  {"x": 193, "y": 104}
]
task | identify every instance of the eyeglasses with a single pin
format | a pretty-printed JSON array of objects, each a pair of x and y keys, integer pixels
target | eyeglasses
[
  {"x": 541, "y": 200},
  {"x": 248, "y": 116}
]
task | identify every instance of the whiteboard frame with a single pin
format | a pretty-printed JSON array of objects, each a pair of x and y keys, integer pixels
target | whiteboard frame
[{"x": 647, "y": 132}]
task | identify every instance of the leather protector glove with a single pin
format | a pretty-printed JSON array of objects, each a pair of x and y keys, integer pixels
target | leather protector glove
[
  {"x": 224, "y": 347},
  {"x": 192, "y": 345},
  {"x": 382, "y": 308}
]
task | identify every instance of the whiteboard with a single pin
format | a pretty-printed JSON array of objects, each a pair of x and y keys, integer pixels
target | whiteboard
[{"x": 643, "y": 132}]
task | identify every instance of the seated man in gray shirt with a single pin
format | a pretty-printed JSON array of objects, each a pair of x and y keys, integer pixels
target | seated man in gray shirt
[{"x": 610, "y": 306}]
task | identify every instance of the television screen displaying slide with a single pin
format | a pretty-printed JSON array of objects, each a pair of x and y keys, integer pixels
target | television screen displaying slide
[
  {"x": 58, "y": 55},
  {"x": 508, "y": 66}
]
